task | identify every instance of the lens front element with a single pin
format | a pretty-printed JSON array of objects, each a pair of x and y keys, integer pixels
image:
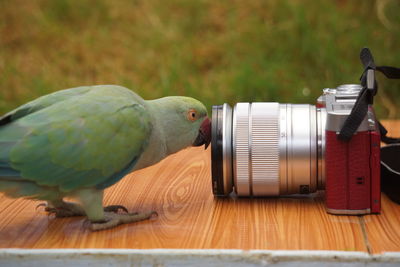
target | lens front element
[{"x": 221, "y": 153}]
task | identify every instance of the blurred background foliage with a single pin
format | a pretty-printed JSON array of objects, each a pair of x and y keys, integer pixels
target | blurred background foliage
[{"x": 216, "y": 51}]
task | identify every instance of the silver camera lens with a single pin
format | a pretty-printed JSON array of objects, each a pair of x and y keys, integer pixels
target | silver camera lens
[{"x": 267, "y": 149}]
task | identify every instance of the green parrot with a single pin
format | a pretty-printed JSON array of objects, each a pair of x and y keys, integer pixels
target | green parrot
[{"x": 79, "y": 141}]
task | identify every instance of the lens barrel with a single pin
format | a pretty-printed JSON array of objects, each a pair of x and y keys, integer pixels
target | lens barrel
[{"x": 267, "y": 149}]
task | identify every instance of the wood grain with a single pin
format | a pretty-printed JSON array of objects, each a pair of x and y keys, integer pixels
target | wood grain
[{"x": 179, "y": 189}]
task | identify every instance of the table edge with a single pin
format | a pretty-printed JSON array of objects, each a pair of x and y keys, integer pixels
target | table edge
[{"x": 237, "y": 257}]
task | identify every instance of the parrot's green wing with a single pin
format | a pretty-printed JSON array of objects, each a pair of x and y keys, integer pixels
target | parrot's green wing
[
  {"x": 81, "y": 137},
  {"x": 43, "y": 102}
]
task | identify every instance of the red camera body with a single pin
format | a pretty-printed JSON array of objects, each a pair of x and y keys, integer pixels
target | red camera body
[
  {"x": 352, "y": 168},
  {"x": 353, "y": 173}
]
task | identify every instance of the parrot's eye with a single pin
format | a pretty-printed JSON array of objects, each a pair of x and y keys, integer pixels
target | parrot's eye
[{"x": 192, "y": 115}]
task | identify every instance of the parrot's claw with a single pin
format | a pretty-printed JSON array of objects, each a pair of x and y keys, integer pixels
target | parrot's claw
[
  {"x": 113, "y": 219},
  {"x": 115, "y": 208},
  {"x": 45, "y": 205},
  {"x": 66, "y": 209}
]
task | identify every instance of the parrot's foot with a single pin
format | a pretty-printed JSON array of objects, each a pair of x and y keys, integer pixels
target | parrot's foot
[
  {"x": 115, "y": 208},
  {"x": 69, "y": 209},
  {"x": 113, "y": 219},
  {"x": 65, "y": 209}
]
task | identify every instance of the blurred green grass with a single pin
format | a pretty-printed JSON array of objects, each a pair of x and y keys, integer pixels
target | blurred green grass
[{"x": 216, "y": 51}]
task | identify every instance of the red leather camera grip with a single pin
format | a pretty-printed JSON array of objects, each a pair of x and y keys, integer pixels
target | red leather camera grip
[{"x": 348, "y": 173}]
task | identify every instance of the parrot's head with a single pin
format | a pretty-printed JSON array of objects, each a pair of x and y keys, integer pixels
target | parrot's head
[
  {"x": 187, "y": 123},
  {"x": 197, "y": 124}
]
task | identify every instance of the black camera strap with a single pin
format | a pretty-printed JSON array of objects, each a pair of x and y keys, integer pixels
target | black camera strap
[
  {"x": 390, "y": 154},
  {"x": 390, "y": 171},
  {"x": 386, "y": 139},
  {"x": 366, "y": 97}
]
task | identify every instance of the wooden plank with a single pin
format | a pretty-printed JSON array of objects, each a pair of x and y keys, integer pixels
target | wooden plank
[
  {"x": 179, "y": 189},
  {"x": 383, "y": 230}
]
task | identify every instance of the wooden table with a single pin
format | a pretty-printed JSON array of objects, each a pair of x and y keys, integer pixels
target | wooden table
[{"x": 179, "y": 189}]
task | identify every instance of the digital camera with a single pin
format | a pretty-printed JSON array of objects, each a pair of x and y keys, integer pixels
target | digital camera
[{"x": 272, "y": 149}]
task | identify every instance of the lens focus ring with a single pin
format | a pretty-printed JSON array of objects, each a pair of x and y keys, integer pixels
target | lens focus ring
[
  {"x": 256, "y": 149},
  {"x": 265, "y": 148}
]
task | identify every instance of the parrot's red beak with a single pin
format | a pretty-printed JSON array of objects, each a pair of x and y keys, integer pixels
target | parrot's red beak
[{"x": 204, "y": 136}]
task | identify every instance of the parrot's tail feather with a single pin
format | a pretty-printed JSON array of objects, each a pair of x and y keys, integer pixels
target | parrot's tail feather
[
  {"x": 5, "y": 164},
  {"x": 5, "y": 148},
  {"x": 27, "y": 189},
  {"x": 8, "y": 172}
]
